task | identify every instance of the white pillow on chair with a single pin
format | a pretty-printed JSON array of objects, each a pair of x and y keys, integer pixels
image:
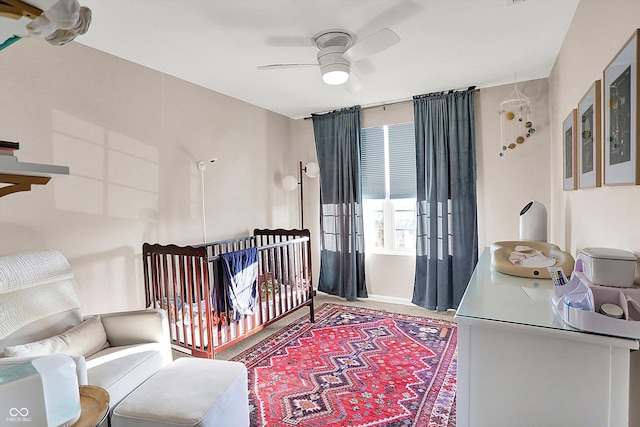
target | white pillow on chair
[{"x": 84, "y": 339}]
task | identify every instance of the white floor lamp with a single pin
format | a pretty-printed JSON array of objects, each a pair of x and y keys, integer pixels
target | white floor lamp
[
  {"x": 290, "y": 183},
  {"x": 202, "y": 166}
]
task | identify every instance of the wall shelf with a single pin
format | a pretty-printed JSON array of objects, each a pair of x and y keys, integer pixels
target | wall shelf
[
  {"x": 16, "y": 9},
  {"x": 20, "y": 176}
]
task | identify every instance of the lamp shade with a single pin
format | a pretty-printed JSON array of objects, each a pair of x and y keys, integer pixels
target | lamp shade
[
  {"x": 289, "y": 183},
  {"x": 312, "y": 169}
]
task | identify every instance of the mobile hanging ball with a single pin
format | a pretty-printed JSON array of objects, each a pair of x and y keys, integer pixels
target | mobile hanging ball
[
  {"x": 528, "y": 124},
  {"x": 509, "y": 115},
  {"x": 531, "y": 131},
  {"x": 512, "y": 145},
  {"x": 520, "y": 140}
]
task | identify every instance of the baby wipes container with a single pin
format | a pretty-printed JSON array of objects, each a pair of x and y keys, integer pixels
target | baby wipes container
[{"x": 609, "y": 267}]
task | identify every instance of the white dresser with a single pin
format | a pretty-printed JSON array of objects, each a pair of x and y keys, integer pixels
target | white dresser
[{"x": 519, "y": 365}]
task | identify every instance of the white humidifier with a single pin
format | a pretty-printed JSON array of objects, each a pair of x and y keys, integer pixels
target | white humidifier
[
  {"x": 533, "y": 222},
  {"x": 43, "y": 393}
]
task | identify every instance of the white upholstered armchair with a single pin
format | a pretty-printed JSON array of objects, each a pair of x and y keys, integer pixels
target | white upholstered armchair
[{"x": 40, "y": 314}]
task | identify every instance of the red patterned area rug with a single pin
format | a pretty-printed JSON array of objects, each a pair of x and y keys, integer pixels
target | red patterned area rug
[{"x": 355, "y": 367}]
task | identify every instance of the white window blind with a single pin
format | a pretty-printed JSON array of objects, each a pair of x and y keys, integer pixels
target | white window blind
[
  {"x": 402, "y": 161},
  {"x": 388, "y": 160},
  {"x": 372, "y": 163}
]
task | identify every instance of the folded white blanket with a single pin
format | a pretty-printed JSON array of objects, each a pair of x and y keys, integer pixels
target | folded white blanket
[
  {"x": 525, "y": 256},
  {"x": 31, "y": 269},
  {"x": 34, "y": 285},
  {"x": 25, "y": 306}
]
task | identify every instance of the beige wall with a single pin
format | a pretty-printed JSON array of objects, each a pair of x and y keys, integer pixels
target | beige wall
[
  {"x": 607, "y": 216},
  {"x": 505, "y": 185},
  {"x": 131, "y": 137}
]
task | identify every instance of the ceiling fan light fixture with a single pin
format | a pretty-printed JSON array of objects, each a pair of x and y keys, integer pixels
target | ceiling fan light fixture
[
  {"x": 335, "y": 74},
  {"x": 338, "y": 49},
  {"x": 333, "y": 67}
]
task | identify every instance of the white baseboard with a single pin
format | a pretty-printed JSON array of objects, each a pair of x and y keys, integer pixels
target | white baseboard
[
  {"x": 385, "y": 299},
  {"x": 377, "y": 298},
  {"x": 390, "y": 300}
]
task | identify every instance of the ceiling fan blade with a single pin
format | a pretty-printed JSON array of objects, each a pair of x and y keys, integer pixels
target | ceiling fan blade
[
  {"x": 281, "y": 66},
  {"x": 354, "y": 84},
  {"x": 392, "y": 16},
  {"x": 372, "y": 44}
]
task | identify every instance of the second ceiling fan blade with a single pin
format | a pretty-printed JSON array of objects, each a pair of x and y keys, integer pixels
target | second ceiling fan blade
[
  {"x": 372, "y": 44},
  {"x": 281, "y": 66},
  {"x": 354, "y": 84}
]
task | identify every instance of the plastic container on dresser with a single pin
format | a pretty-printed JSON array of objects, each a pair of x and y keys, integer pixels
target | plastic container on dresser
[
  {"x": 609, "y": 267},
  {"x": 592, "y": 319}
]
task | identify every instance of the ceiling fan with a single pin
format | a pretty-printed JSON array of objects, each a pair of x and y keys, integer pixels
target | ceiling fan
[{"x": 338, "y": 49}]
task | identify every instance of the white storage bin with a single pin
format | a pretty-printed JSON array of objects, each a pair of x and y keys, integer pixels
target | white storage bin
[{"x": 609, "y": 267}]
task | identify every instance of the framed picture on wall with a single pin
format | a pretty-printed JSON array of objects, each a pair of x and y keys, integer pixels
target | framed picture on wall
[
  {"x": 589, "y": 138},
  {"x": 570, "y": 151},
  {"x": 620, "y": 91}
]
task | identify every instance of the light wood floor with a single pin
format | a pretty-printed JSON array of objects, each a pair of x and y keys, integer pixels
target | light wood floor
[{"x": 318, "y": 301}]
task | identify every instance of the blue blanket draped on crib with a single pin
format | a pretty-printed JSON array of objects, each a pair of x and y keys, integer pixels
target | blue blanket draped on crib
[{"x": 240, "y": 278}]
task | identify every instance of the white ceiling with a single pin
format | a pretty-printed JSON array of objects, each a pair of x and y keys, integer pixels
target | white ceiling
[{"x": 446, "y": 44}]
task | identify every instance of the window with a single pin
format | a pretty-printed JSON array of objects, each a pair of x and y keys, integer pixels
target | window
[{"x": 389, "y": 188}]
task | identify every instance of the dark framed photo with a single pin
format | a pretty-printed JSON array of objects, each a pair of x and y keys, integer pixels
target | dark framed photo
[
  {"x": 570, "y": 151},
  {"x": 620, "y": 91},
  {"x": 589, "y": 138}
]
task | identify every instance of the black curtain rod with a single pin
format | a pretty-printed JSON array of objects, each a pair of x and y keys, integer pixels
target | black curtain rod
[{"x": 389, "y": 104}]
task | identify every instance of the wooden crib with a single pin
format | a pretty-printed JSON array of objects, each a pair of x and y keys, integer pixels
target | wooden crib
[{"x": 188, "y": 282}]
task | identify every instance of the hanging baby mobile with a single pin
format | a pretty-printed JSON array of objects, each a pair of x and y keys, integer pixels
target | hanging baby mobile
[{"x": 516, "y": 121}]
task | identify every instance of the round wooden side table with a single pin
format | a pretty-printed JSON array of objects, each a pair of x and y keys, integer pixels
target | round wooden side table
[{"x": 94, "y": 403}]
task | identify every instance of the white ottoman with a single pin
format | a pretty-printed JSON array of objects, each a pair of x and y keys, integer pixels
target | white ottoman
[{"x": 188, "y": 392}]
